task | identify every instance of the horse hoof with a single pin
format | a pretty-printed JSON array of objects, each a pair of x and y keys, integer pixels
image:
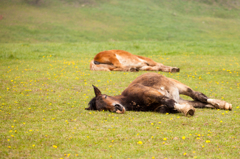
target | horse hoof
[
  {"x": 133, "y": 70},
  {"x": 190, "y": 112},
  {"x": 219, "y": 104},
  {"x": 228, "y": 106},
  {"x": 175, "y": 70}
]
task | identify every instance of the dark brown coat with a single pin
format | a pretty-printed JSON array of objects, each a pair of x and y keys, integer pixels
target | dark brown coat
[{"x": 155, "y": 92}]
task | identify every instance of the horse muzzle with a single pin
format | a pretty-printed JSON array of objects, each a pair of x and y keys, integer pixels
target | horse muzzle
[{"x": 119, "y": 109}]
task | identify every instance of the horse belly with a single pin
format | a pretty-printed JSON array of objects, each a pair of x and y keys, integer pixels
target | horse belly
[{"x": 131, "y": 61}]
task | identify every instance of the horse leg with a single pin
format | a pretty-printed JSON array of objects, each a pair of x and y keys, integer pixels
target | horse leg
[
  {"x": 196, "y": 104},
  {"x": 159, "y": 67},
  {"x": 198, "y": 96},
  {"x": 149, "y": 68},
  {"x": 153, "y": 96},
  {"x": 100, "y": 67},
  {"x": 130, "y": 69},
  {"x": 164, "y": 68},
  {"x": 108, "y": 67}
]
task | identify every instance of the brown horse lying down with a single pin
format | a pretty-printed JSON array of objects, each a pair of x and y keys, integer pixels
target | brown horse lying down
[
  {"x": 119, "y": 60},
  {"x": 155, "y": 92}
]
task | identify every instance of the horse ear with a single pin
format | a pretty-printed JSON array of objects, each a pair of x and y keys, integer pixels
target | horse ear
[{"x": 97, "y": 91}]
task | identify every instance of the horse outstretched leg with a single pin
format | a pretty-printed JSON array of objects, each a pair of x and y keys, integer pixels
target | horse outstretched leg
[
  {"x": 160, "y": 67},
  {"x": 129, "y": 69},
  {"x": 198, "y": 96},
  {"x": 154, "y": 66},
  {"x": 164, "y": 68},
  {"x": 196, "y": 104},
  {"x": 109, "y": 67}
]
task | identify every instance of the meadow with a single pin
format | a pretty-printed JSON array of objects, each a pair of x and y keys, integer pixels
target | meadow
[
  {"x": 43, "y": 96},
  {"x": 46, "y": 83}
]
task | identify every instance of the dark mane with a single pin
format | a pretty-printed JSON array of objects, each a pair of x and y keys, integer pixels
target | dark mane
[{"x": 92, "y": 104}]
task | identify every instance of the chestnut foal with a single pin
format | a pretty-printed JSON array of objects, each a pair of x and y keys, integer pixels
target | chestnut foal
[{"x": 119, "y": 60}]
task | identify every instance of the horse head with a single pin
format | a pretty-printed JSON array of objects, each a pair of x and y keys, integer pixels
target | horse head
[{"x": 104, "y": 102}]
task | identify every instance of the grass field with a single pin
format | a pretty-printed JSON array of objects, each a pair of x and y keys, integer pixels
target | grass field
[
  {"x": 43, "y": 97},
  {"x": 45, "y": 81},
  {"x": 115, "y": 20}
]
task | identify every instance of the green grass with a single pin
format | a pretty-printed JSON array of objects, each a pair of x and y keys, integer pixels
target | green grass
[
  {"x": 45, "y": 81},
  {"x": 114, "y": 20},
  {"x": 45, "y": 88}
]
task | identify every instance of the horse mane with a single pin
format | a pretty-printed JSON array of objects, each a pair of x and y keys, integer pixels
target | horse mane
[{"x": 92, "y": 104}]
